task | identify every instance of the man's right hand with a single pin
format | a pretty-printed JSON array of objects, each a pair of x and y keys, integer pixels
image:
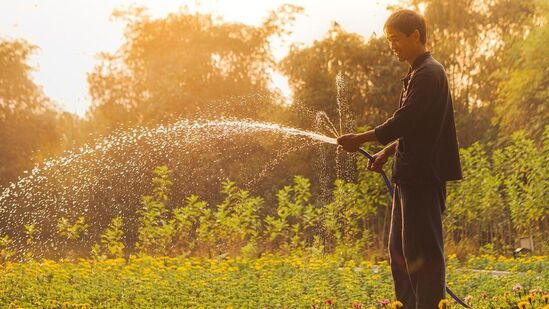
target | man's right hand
[{"x": 379, "y": 160}]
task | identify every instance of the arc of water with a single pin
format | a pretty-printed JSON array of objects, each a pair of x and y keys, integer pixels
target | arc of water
[
  {"x": 332, "y": 126},
  {"x": 135, "y": 134}
]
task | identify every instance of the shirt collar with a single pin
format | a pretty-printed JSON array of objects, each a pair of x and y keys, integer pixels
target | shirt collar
[{"x": 417, "y": 62}]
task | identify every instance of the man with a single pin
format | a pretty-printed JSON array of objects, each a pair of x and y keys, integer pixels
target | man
[{"x": 426, "y": 156}]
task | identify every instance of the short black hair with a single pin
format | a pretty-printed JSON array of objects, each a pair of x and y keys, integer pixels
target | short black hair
[{"x": 406, "y": 21}]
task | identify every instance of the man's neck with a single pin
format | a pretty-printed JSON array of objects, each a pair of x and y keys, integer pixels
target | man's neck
[{"x": 416, "y": 54}]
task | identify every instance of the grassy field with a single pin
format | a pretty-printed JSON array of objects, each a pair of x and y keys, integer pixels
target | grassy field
[{"x": 267, "y": 282}]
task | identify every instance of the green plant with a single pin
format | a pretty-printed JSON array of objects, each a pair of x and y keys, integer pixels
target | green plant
[
  {"x": 156, "y": 231},
  {"x": 111, "y": 245},
  {"x": 72, "y": 231}
]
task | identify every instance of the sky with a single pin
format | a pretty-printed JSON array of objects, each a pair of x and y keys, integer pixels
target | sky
[{"x": 71, "y": 33}]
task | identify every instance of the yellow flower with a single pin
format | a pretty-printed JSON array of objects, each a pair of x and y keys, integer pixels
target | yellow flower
[
  {"x": 523, "y": 305},
  {"x": 396, "y": 304},
  {"x": 530, "y": 298},
  {"x": 443, "y": 304},
  {"x": 545, "y": 298}
]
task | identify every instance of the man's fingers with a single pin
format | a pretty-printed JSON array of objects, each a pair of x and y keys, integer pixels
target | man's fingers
[
  {"x": 344, "y": 139},
  {"x": 377, "y": 165},
  {"x": 372, "y": 164}
]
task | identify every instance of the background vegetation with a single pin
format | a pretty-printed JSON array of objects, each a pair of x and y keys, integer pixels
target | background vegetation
[{"x": 196, "y": 66}]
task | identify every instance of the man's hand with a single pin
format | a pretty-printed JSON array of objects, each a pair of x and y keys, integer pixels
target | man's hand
[
  {"x": 379, "y": 160},
  {"x": 350, "y": 142}
]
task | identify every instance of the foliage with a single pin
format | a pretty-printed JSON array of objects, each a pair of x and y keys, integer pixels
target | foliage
[
  {"x": 30, "y": 232},
  {"x": 28, "y": 119},
  {"x": 270, "y": 281},
  {"x": 524, "y": 80},
  {"x": 502, "y": 196},
  {"x": 188, "y": 64},
  {"x": 475, "y": 207},
  {"x": 6, "y": 252},
  {"x": 155, "y": 231},
  {"x": 469, "y": 39},
  {"x": 111, "y": 245},
  {"x": 371, "y": 75},
  {"x": 236, "y": 217},
  {"x": 185, "y": 65},
  {"x": 191, "y": 224},
  {"x": 296, "y": 217},
  {"x": 72, "y": 231},
  {"x": 526, "y": 182},
  {"x": 346, "y": 214}
]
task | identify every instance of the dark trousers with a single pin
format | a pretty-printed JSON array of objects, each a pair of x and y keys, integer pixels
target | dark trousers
[{"x": 416, "y": 245}]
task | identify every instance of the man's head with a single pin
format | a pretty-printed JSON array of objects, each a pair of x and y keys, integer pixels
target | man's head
[{"x": 406, "y": 32}]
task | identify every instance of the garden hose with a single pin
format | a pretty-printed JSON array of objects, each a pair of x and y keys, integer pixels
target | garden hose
[{"x": 391, "y": 191}]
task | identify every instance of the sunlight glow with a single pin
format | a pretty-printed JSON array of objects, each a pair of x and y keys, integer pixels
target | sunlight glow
[{"x": 70, "y": 33}]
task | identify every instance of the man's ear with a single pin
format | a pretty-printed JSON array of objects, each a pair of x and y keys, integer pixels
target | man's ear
[{"x": 415, "y": 36}]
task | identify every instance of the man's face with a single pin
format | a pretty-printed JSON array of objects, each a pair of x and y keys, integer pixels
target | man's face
[{"x": 403, "y": 46}]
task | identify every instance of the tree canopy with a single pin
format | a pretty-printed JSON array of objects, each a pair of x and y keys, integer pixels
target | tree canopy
[
  {"x": 28, "y": 119},
  {"x": 186, "y": 65}
]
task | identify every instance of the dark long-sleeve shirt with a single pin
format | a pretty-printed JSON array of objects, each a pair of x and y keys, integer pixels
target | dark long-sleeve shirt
[{"x": 424, "y": 126}]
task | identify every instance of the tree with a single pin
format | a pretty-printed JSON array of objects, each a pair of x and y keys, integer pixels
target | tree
[
  {"x": 28, "y": 119},
  {"x": 186, "y": 65},
  {"x": 368, "y": 72},
  {"x": 524, "y": 80},
  {"x": 469, "y": 39}
]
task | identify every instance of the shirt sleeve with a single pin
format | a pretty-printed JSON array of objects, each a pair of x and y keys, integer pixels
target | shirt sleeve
[{"x": 414, "y": 108}]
